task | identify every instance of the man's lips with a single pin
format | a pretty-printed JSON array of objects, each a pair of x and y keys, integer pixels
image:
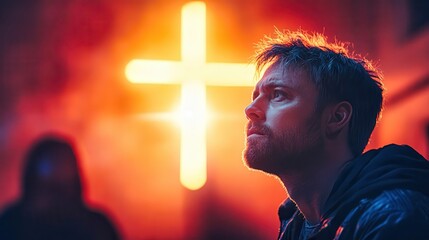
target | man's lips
[{"x": 255, "y": 131}]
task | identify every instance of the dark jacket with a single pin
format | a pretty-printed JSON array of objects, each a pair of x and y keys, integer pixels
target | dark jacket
[{"x": 383, "y": 194}]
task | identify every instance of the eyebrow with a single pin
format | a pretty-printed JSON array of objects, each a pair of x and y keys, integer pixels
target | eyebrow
[
  {"x": 270, "y": 83},
  {"x": 274, "y": 82}
]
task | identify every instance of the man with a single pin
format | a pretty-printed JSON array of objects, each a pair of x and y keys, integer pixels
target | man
[{"x": 312, "y": 114}]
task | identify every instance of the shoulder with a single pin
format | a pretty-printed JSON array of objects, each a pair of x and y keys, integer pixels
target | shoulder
[
  {"x": 402, "y": 200},
  {"x": 102, "y": 225},
  {"x": 394, "y": 214}
]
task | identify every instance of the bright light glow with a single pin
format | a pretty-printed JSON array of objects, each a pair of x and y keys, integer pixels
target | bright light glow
[
  {"x": 194, "y": 74},
  {"x": 194, "y": 33},
  {"x": 178, "y": 115},
  {"x": 152, "y": 71},
  {"x": 214, "y": 74},
  {"x": 193, "y": 170},
  {"x": 193, "y": 155}
]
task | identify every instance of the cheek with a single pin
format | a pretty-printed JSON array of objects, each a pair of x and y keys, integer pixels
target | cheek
[{"x": 284, "y": 118}]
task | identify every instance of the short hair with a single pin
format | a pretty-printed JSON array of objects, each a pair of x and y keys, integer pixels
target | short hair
[{"x": 337, "y": 74}]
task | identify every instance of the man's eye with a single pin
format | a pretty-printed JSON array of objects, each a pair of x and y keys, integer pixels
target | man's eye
[{"x": 279, "y": 95}]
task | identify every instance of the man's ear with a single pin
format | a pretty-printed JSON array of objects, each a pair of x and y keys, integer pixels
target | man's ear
[{"x": 338, "y": 118}]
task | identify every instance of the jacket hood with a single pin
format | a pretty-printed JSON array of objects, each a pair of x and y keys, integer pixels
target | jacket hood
[{"x": 387, "y": 168}]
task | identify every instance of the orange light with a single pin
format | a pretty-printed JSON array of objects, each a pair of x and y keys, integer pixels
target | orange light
[
  {"x": 152, "y": 71},
  {"x": 194, "y": 74}
]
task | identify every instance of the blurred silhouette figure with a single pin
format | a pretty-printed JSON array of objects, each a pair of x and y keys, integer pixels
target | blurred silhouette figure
[{"x": 52, "y": 206}]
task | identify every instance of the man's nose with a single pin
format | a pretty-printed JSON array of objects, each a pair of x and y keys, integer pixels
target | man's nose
[{"x": 254, "y": 111}]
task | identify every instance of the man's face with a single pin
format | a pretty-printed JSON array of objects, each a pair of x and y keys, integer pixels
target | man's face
[{"x": 283, "y": 132}]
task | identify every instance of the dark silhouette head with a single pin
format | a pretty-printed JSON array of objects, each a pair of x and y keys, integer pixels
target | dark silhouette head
[{"x": 52, "y": 171}]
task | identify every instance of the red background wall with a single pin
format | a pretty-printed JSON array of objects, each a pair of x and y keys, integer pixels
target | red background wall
[{"x": 62, "y": 69}]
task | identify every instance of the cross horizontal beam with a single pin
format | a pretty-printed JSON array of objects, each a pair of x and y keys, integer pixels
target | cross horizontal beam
[{"x": 176, "y": 72}]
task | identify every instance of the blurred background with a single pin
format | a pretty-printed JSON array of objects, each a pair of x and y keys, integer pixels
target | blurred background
[{"x": 62, "y": 70}]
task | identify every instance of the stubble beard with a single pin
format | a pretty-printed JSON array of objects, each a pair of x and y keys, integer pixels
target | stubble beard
[{"x": 288, "y": 151}]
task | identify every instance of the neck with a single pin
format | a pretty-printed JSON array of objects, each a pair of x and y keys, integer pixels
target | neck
[{"x": 310, "y": 188}]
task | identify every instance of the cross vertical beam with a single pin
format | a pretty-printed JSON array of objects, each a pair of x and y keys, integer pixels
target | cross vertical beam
[{"x": 193, "y": 170}]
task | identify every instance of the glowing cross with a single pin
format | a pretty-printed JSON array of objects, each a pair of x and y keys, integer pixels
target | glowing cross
[{"x": 194, "y": 74}]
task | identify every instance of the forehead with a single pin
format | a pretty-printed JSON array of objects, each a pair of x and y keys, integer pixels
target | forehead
[{"x": 288, "y": 77}]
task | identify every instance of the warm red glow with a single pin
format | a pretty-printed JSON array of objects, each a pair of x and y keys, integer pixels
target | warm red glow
[{"x": 63, "y": 70}]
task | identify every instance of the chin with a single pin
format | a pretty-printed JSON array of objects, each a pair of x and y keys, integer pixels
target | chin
[
  {"x": 255, "y": 161},
  {"x": 248, "y": 157}
]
